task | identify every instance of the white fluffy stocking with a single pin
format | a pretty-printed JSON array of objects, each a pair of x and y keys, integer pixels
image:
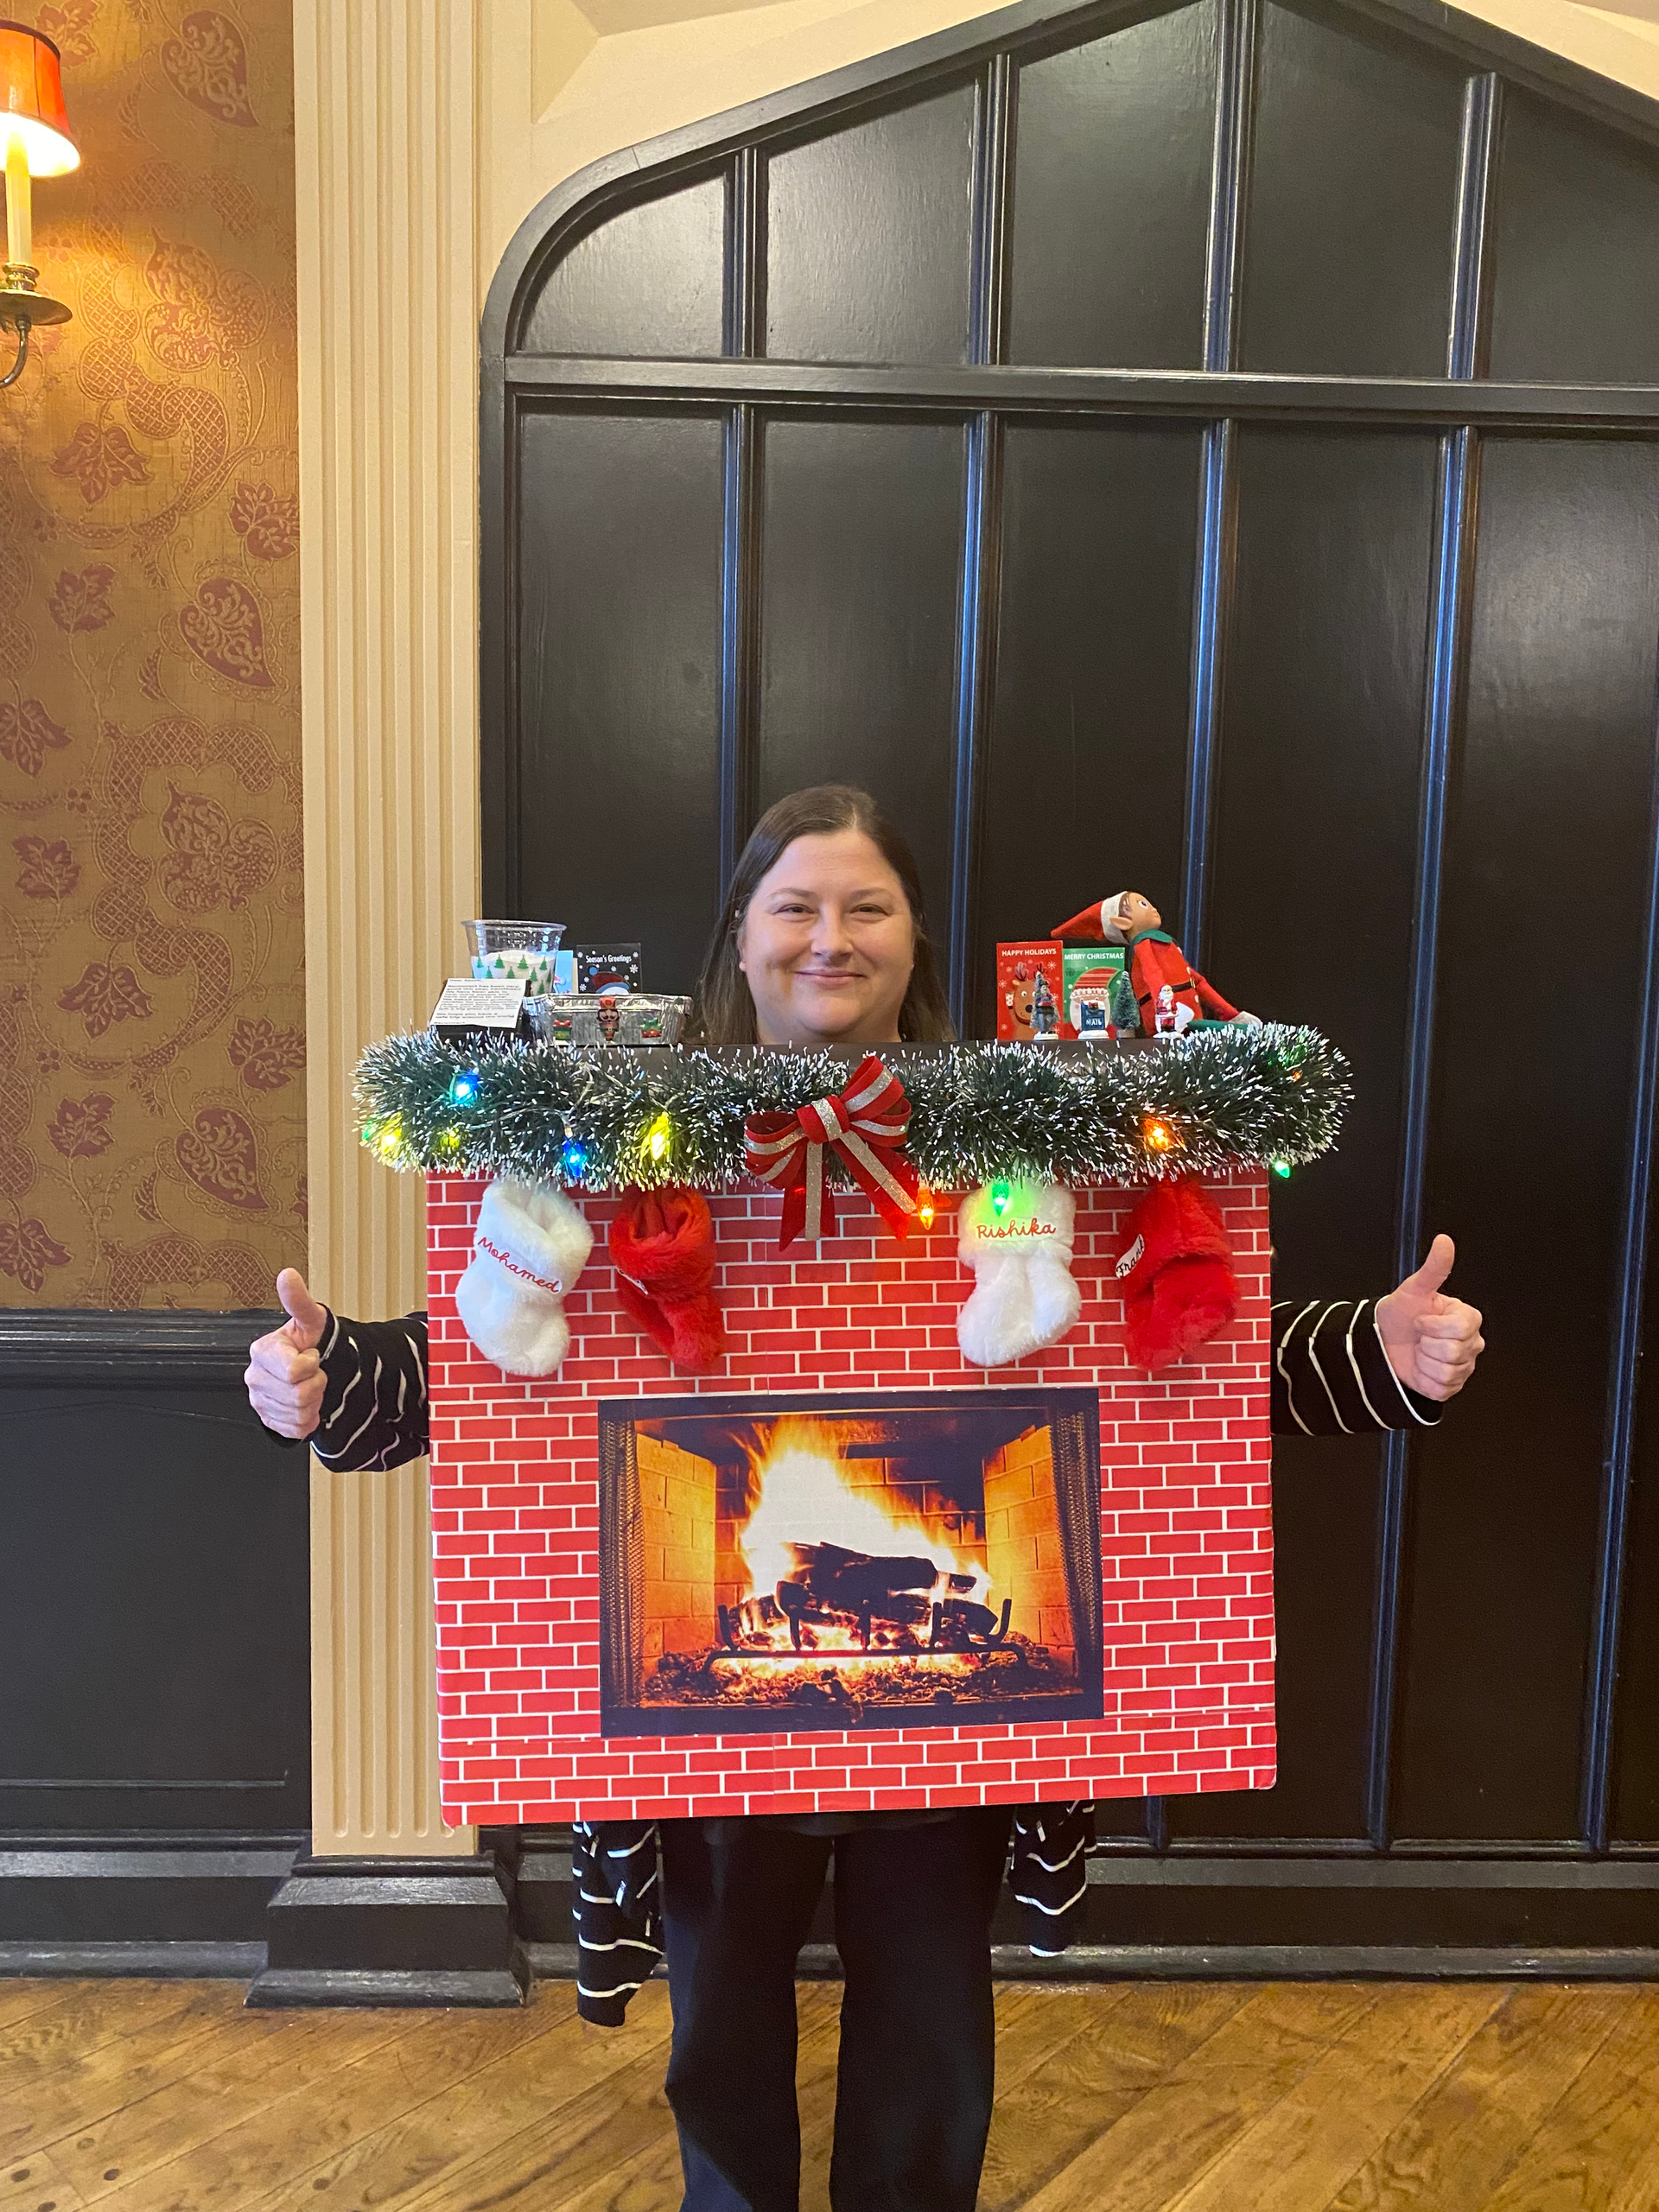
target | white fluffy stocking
[
  {"x": 530, "y": 1246},
  {"x": 1025, "y": 1297}
]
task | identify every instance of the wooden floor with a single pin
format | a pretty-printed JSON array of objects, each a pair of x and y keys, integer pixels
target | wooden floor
[{"x": 1214, "y": 2097}]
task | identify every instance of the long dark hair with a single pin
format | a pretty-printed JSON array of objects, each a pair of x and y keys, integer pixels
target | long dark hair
[{"x": 722, "y": 1010}]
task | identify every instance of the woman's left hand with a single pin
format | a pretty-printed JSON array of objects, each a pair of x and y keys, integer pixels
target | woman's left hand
[{"x": 1432, "y": 1341}]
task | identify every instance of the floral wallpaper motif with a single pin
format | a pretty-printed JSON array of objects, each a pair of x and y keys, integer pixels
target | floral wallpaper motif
[{"x": 152, "y": 1039}]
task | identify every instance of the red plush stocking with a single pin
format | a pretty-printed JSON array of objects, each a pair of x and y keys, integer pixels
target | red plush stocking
[
  {"x": 1176, "y": 1273},
  {"x": 662, "y": 1244}
]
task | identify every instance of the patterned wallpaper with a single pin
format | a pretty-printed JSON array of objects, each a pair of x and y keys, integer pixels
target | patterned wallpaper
[{"x": 152, "y": 1048}]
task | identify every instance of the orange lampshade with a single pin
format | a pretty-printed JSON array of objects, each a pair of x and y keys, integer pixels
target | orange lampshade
[{"x": 31, "y": 101}]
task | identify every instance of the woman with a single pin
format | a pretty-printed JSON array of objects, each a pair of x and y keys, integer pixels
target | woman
[{"x": 823, "y": 942}]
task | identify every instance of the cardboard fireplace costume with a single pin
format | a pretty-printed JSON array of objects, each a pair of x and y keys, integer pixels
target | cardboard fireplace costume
[
  {"x": 841, "y": 1566},
  {"x": 1089, "y": 1548}
]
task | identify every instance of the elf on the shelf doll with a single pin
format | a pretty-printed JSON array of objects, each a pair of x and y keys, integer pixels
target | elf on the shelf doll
[{"x": 1168, "y": 989}]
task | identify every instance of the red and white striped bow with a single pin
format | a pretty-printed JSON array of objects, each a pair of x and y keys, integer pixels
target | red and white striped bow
[{"x": 864, "y": 1125}]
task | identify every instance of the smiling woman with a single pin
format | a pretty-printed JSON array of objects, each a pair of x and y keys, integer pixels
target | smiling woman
[{"x": 823, "y": 938}]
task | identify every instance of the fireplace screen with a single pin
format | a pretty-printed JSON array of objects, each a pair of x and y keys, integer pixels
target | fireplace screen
[{"x": 883, "y": 1560}]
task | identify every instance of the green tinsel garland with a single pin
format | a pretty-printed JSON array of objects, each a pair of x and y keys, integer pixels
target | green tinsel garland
[{"x": 606, "y": 1118}]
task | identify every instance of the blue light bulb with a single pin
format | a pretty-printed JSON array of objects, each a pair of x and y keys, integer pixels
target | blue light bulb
[
  {"x": 573, "y": 1158},
  {"x": 463, "y": 1086}
]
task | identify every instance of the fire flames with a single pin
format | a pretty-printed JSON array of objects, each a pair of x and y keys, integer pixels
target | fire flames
[{"x": 811, "y": 1537}]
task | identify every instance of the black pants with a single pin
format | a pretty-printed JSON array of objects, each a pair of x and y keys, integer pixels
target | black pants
[{"x": 913, "y": 2092}]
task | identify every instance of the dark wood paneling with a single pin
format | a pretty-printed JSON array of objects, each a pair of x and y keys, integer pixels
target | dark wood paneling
[
  {"x": 1634, "y": 1806},
  {"x": 1086, "y": 767},
  {"x": 867, "y": 238},
  {"x": 621, "y": 522},
  {"x": 1315, "y": 818},
  {"x": 1353, "y": 201},
  {"x": 1634, "y": 1809},
  {"x": 860, "y": 537},
  {"x": 1111, "y": 197},
  {"x": 646, "y": 280},
  {"x": 1543, "y": 938},
  {"x": 1316, "y": 805},
  {"x": 154, "y": 1579},
  {"x": 1112, "y": 391},
  {"x": 1577, "y": 215}
]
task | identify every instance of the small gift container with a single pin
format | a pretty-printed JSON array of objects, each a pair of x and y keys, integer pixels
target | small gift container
[
  {"x": 526, "y": 951},
  {"x": 592, "y": 1017}
]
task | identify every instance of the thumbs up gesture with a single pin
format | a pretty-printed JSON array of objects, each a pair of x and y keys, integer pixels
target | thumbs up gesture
[
  {"x": 1433, "y": 1341},
  {"x": 284, "y": 1375}
]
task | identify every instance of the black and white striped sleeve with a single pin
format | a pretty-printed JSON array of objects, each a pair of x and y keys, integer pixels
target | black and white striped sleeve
[
  {"x": 1048, "y": 1872},
  {"x": 616, "y": 1908},
  {"x": 374, "y": 1408},
  {"x": 1330, "y": 1375}
]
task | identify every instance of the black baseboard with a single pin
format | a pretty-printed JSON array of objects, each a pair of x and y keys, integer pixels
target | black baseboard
[
  {"x": 393, "y": 1932},
  {"x": 146, "y": 1961},
  {"x": 1102, "y": 1962},
  {"x": 1289, "y": 1912},
  {"x": 121, "y": 1895}
]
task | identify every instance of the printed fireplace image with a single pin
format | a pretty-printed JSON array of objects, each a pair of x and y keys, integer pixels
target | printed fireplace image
[{"x": 878, "y": 1560}]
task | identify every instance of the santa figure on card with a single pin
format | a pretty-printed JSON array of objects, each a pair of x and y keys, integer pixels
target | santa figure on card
[{"x": 1169, "y": 992}]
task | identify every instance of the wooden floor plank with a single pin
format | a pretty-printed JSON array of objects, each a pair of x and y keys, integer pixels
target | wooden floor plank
[
  {"x": 618, "y": 2144},
  {"x": 577, "y": 2143},
  {"x": 1599, "y": 2144},
  {"x": 1047, "y": 2115},
  {"x": 103, "y": 2081},
  {"x": 1453, "y": 2147},
  {"x": 33, "y": 2184},
  {"x": 163, "y": 2148},
  {"x": 512, "y": 2092},
  {"x": 24, "y": 1994},
  {"x": 1173, "y": 2132},
  {"x": 422, "y": 2053},
  {"x": 1301, "y": 2152},
  {"x": 92, "y": 2013}
]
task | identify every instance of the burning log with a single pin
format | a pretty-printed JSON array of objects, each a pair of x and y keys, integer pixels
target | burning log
[{"x": 849, "y": 1579}]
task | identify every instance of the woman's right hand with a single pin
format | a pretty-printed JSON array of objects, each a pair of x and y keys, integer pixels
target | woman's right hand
[{"x": 284, "y": 1375}]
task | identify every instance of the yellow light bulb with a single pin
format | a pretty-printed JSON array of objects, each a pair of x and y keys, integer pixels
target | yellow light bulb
[
  {"x": 390, "y": 1140},
  {"x": 1157, "y": 1135},
  {"x": 659, "y": 1137}
]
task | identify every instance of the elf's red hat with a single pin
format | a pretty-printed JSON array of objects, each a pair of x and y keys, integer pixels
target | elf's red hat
[
  {"x": 1176, "y": 1273},
  {"x": 1096, "y": 925},
  {"x": 662, "y": 1244}
]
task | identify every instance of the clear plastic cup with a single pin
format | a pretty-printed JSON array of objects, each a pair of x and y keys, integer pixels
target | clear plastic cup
[{"x": 516, "y": 951}]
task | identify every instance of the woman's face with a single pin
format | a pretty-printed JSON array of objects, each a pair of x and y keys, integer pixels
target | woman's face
[{"x": 827, "y": 944}]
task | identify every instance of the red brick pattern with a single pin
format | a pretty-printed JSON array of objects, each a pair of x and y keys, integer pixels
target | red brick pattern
[{"x": 1186, "y": 1530}]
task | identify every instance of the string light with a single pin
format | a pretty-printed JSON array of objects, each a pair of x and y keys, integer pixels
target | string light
[
  {"x": 1281, "y": 1167},
  {"x": 925, "y": 1208},
  {"x": 389, "y": 1143},
  {"x": 450, "y": 1139},
  {"x": 1000, "y": 1194},
  {"x": 659, "y": 1136},
  {"x": 1156, "y": 1133},
  {"x": 572, "y": 1159},
  {"x": 463, "y": 1087}
]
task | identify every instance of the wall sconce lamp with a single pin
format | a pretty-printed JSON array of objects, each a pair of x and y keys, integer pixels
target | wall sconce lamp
[{"x": 37, "y": 143}]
